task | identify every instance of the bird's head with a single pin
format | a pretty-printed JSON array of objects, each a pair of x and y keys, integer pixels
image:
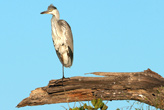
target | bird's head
[{"x": 51, "y": 10}]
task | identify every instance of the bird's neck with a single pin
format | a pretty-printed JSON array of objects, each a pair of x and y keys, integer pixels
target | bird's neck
[
  {"x": 55, "y": 14},
  {"x": 56, "y": 18},
  {"x": 55, "y": 26}
]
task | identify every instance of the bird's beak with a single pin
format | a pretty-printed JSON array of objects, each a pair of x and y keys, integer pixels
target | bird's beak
[{"x": 45, "y": 12}]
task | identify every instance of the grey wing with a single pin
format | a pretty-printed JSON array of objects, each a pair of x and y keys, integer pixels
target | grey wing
[{"x": 68, "y": 33}]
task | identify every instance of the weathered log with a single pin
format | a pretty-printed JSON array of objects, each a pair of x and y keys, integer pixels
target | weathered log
[{"x": 146, "y": 86}]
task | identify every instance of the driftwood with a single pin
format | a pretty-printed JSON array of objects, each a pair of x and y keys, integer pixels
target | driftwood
[{"x": 146, "y": 86}]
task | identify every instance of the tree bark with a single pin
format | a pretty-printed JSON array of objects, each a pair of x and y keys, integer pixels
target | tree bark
[{"x": 146, "y": 86}]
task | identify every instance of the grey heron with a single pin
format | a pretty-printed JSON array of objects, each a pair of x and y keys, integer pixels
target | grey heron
[{"x": 62, "y": 37}]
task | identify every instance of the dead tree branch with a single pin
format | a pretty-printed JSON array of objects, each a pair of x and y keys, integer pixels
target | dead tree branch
[{"x": 146, "y": 86}]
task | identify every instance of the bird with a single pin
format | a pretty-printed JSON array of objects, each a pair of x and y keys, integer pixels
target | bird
[{"x": 62, "y": 37}]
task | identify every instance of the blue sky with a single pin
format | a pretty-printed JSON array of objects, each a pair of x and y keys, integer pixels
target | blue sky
[{"x": 109, "y": 36}]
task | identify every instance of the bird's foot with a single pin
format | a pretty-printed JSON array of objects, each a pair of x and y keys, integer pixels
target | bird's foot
[{"x": 65, "y": 79}]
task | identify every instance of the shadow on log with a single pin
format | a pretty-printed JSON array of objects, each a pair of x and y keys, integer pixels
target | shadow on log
[{"x": 146, "y": 86}]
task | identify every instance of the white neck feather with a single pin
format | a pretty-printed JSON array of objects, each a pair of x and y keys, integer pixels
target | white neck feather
[{"x": 56, "y": 14}]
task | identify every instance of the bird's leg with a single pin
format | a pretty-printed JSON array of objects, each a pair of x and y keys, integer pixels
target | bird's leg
[
  {"x": 63, "y": 72},
  {"x": 66, "y": 79}
]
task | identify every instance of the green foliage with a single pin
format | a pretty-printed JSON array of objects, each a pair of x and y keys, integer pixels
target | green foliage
[
  {"x": 97, "y": 104},
  {"x": 157, "y": 101}
]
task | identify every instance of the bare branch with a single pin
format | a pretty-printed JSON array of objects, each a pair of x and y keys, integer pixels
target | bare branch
[{"x": 146, "y": 86}]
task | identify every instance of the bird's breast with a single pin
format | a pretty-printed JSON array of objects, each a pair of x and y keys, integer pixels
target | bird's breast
[{"x": 59, "y": 39}]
